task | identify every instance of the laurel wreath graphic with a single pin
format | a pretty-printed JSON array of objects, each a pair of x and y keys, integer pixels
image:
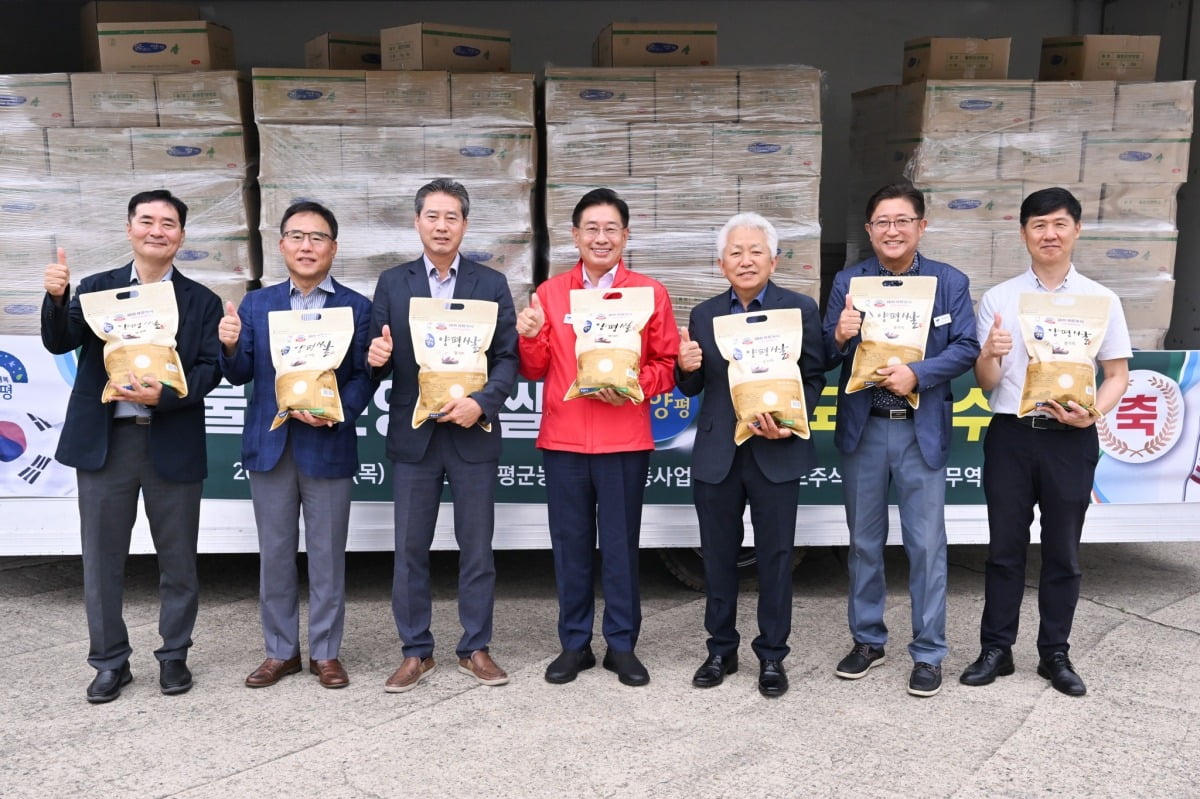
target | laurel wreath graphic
[{"x": 1111, "y": 444}]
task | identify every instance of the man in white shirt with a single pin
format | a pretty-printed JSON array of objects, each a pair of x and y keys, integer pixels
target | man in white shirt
[{"x": 1047, "y": 458}]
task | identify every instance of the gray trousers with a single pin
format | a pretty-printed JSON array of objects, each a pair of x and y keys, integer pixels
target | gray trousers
[
  {"x": 278, "y": 497},
  {"x": 108, "y": 502}
]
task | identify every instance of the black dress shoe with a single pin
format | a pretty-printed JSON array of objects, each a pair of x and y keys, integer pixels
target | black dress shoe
[
  {"x": 712, "y": 672},
  {"x": 174, "y": 677},
  {"x": 990, "y": 664},
  {"x": 772, "y": 679},
  {"x": 1059, "y": 670},
  {"x": 108, "y": 683},
  {"x": 566, "y": 667},
  {"x": 629, "y": 669}
]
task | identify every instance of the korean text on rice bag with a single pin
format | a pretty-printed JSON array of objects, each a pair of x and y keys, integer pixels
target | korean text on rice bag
[
  {"x": 763, "y": 350},
  {"x": 450, "y": 340},
  {"x": 306, "y": 348},
  {"x": 897, "y": 312},
  {"x": 608, "y": 339},
  {"x": 1062, "y": 334},
  {"x": 137, "y": 325}
]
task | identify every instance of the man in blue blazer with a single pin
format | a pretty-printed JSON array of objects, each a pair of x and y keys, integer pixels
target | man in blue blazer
[
  {"x": 148, "y": 441},
  {"x": 306, "y": 464},
  {"x": 886, "y": 443},
  {"x": 453, "y": 448},
  {"x": 765, "y": 470}
]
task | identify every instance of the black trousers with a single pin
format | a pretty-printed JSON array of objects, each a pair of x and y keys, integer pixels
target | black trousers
[{"x": 1054, "y": 470}]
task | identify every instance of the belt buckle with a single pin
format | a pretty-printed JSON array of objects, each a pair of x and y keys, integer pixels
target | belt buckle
[
  {"x": 897, "y": 413},
  {"x": 1039, "y": 422},
  {"x": 141, "y": 421}
]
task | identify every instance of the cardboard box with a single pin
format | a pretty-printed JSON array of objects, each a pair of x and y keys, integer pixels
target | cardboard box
[
  {"x": 427, "y": 45},
  {"x": 785, "y": 201},
  {"x": 309, "y": 95},
  {"x": 187, "y": 99},
  {"x": 562, "y": 196},
  {"x": 692, "y": 202},
  {"x": 299, "y": 152},
  {"x": 784, "y": 94},
  {"x": 1155, "y": 106},
  {"x": 965, "y": 106},
  {"x": 342, "y": 51},
  {"x": 948, "y": 205},
  {"x": 1048, "y": 156},
  {"x": 346, "y": 198},
  {"x": 583, "y": 151},
  {"x": 504, "y": 206},
  {"x": 1099, "y": 58},
  {"x": 1088, "y": 195},
  {"x": 88, "y": 151},
  {"x": 1146, "y": 158},
  {"x": 97, "y": 11},
  {"x": 687, "y": 95},
  {"x": 510, "y": 255},
  {"x": 23, "y": 153},
  {"x": 966, "y": 247},
  {"x": 1071, "y": 106},
  {"x": 492, "y": 98},
  {"x": 943, "y": 58},
  {"x": 1139, "y": 204},
  {"x": 1106, "y": 254},
  {"x": 41, "y": 101},
  {"x": 799, "y": 265},
  {"x": 215, "y": 201},
  {"x": 946, "y": 158},
  {"x": 656, "y": 44},
  {"x": 368, "y": 150},
  {"x": 873, "y": 110},
  {"x": 1145, "y": 303},
  {"x": 28, "y": 207},
  {"x": 767, "y": 150},
  {"x": 408, "y": 98},
  {"x": 164, "y": 46},
  {"x": 498, "y": 152},
  {"x": 670, "y": 150},
  {"x": 113, "y": 100},
  {"x": 603, "y": 96},
  {"x": 215, "y": 149}
]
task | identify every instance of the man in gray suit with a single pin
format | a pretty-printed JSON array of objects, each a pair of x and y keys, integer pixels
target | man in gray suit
[
  {"x": 454, "y": 448},
  {"x": 764, "y": 470}
]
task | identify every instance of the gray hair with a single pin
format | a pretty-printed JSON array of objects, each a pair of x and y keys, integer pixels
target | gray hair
[
  {"x": 444, "y": 186},
  {"x": 748, "y": 220}
]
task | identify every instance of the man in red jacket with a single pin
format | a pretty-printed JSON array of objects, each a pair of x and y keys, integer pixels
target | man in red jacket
[{"x": 596, "y": 449}]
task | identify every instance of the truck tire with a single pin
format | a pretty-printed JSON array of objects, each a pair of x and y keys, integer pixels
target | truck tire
[{"x": 687, "y": 565}]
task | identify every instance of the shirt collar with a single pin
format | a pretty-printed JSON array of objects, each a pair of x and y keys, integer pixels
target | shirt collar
[
  {"x": 1065, "y": 286},
  {"x": 431, "y": 270},
  {"x": 606, "y": 280},
  {"x": 135, "y": 280},
  {"x": 735, "y": 302},
  {"x": 915, "y": 269},
  {"x": 325, "y": 285}
]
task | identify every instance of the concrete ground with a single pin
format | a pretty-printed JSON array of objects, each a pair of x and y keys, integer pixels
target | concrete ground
[{"x": 1137, "y": 732}]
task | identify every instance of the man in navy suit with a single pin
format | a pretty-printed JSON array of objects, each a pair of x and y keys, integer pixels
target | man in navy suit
[
  {"x": 886, "y": 443},
  {"x": 765, "y": 470},
  {"x": 307, "y": 463},
  {"x": 148, "y": 441},
  {"x": 455, "y": 447}
]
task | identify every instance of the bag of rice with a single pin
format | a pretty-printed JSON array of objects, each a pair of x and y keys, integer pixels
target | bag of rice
[
  {"x": 137, "y": 325},
  {"x": 897, "y": 312},
  {"x": 1062, "y": 334},
  {"x": 608, "y": 339},
  {"x": 763, "y": 350},
  {"x": 450, "y": 340},
  {"x": 306, "y": 348}
]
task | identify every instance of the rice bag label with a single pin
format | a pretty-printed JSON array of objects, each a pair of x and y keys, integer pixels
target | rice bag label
[
  {"x": 896, "y": 314},
  {"x": 450, "y": 340},
  {"x": 137, "y": 325},
  {"x": 608, "y": 339},
  {"x": 306, "y": 348},
  {"x": 763, "y": 351},
  {"x": 1062, "y": 334}
]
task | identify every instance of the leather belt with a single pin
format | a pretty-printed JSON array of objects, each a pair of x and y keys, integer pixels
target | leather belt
[
  {"x": 140, "y": 421},
  {"x": 1042, "y": 423},
  {"x": 892, "y": 413}
]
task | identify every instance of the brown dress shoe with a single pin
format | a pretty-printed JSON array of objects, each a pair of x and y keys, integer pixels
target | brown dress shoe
[
  {"x": 481, "y": 666},
  {"x": 272, "y": 671},
  {"x": 330, "y": 672},
  {"x": 411, "y": 672}
]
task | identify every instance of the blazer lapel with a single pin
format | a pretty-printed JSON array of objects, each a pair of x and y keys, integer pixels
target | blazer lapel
[{"x": 418, "y": 279}]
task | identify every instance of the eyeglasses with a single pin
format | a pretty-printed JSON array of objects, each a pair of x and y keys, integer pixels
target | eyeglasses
[
  {"x": 902, "y": 224},
  {"x": 610, "y": 231},
  {"x": 315, "y": 236}
]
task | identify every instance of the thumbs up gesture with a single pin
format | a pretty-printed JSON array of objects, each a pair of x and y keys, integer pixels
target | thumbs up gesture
[
  {"x": 690, "y": 357},
  {"x": 849, "y": 323},
  {"x": 230, "y": 328},
  {"x": 380, "y": 351},
  {"x": 57, "y": 277},
  {"x": 999, "y": 341},
  {"x": 531, "y": 320}
]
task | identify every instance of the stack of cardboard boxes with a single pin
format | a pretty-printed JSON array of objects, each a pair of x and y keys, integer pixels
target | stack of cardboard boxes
[
  {"x": 362, "y": 143},
  {"x": 688, "y": 147},
  {"x": 77, "y": 147},
  {"x": 977, "y": 147}
]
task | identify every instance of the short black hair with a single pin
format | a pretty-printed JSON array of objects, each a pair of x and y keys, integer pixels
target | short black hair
[
  {"x": 444, "y": 186},
  {"x": 310, "y": 207},
  {"x": 900, "y": 190},
  {"x": 600, "y": 197},
  {"x": 1047, "y": 201},
  {"x": 155, "y": 196}
]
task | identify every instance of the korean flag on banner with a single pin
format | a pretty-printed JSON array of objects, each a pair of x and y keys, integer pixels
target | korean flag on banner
[{"x": 34, "y": 387}]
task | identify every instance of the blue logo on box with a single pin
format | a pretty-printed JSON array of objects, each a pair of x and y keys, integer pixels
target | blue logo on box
[
  {"x": 10, "y": 100},
  {"x": 17, "y": 207},
  {"x": 595, "y": 94},
  {"x": 480, "y": 256},
  {"x": 763, "y": 148},
  {"x": 964, "y": 205},
  {"x": 20, "y": 309},
  {"x": 975, "y": 105},
  {"x": 661, "y": 47},
  {"x": 1135, "y": 155},
  {"x": 476, "y": 152},
  {"x": 149, "y": 48},
  {"x": 182, "y": 151},
  {"x": 1121, "y": 254},
  {"x": 192, "y": 255},
  {"x": 466, "y": 52},
  {"x": 305, "y": 94}
]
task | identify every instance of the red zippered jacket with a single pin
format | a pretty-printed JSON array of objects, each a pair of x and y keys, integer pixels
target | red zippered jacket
[{"x": 587, "y": 425}]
